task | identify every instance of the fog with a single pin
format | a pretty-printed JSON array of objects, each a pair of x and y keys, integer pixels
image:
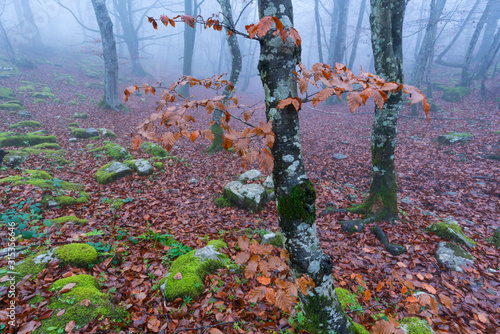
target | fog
[{"x": 51, "y": 29}]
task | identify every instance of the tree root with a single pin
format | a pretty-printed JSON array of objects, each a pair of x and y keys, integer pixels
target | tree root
[
  {"x": 353, "y": 226},
  {"x": 393, "y": 249}
]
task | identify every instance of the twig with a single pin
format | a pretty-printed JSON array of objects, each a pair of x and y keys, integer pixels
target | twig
[{"x": 324, "y": 112}]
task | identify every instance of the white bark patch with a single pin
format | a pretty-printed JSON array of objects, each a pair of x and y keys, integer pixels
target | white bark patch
[
  {"x": 288, "y": 158},
  {"x": 271, "y": 10},
  {"x": 292, "y": 168}
]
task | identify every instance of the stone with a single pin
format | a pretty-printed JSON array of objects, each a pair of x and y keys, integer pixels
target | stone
[
  {"x": 414, "y": 325},
  {"x": 339, "y": 156},
  {"x": 406, "y": 200},
  {"x": 450, "y": 230},
  {"x": 15, "y": 158},
  {"x": 454, "y": 137},
  {"x": 155, "y": 150},
  {"x": 107, "y": 133},
  {"x": 268, "y": 182},
  {"x": 452, "y": 256},
  {"x": 272, "y": 238},
  {"x": 25, "y": 114},
  {"x": 72, "y": 140},
  {"x": 247, "y": 197},
  {"x": 91, "y": 132},
  {"x": 111, "y": 172},
  {"x": 451, "y": 193},
  {"x": 249, "y": 176},
  {"x": 193, "y": 181},
  {"x": 112, "y": 150},
  {"x": 141, "y": 166}
]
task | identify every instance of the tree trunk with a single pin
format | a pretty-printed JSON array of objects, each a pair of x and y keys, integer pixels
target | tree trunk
[
  {"x": 189, "y": 37},
  {"x": 466, "y": 79},
  {"x": 356, "y": 35},
  {"x": 318, "y": 30},
  {"x": 340, "y": 39},
  {"x": 30, "y": 24},
  {"x": 234, "y": 50},
  {"x": 427, "y": 47},
  {"x": 489, "y": 31},
  {"x": 419, "y": 30},
  {"x": 110, "y": 99},
  {"x": 125, "y": 15},
  {"x": 488, "y": 57},
  {"x": 8, "y": 47},
  {"x": 439, "y": 59},
  {"x": 386, "y": 21},
  {"x": 333, "y": 32},
  {"x": 294, "y": 192}
]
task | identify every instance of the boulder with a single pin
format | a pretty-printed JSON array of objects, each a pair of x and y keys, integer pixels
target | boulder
[
  {"x": 268, "y": 182},
  {"x": 187, "y": 273},
  {"x": 414, "y": 325},
  {"x": 452, "y": 256},
  {"x": 247, "y": 197},
  {"x": 193, "y": 181},
  {"x": 454, "y": 137},
  {"x": 272, "y": 238},
  {"x": 448, "y": 229},
  {"x": 111, "y": 172},
  {"x": 84, "y": 133},
  {"x": 80, "y": 115},
  {"x": 112, "y": 150},
  {"x": 24, "y": 114},
  {"x": 339, "y": 156},
  {"x": 107, "y": 133},
  {"x": 249, "y": 176},
  {"x": 155, "y": 150},
  {"x": 15, "y": 158},
  {"x": 141, "y": 166},
  {"x": 72, "y": 140}
]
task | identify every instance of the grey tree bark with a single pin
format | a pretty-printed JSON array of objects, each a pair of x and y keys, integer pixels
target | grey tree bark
[
  {"x": 357, "y": 34},
  {"x": 386, "y": 21},
  {"x": 340, "y": 38},
  {"x": 294, "y": 192},
  {"x": 189, "y": 38},
  {"x": 234, "y": 50},
  {"x": 318, "y": 30},
  {"x": 466, "y": 78},
  {"x": 29, "y": 23},
  {"x": 489, "y": 30},
  {"x": 8, "y": 46},
  {"x": 110, "y": 99},
  {"x": 125, "y": 16}
]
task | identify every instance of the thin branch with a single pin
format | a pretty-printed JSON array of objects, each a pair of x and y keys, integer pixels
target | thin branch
[{"x": 76, "y": 18}]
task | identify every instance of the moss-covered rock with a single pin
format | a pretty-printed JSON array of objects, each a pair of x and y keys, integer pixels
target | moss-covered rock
[
  {"x": 32, "y": 265},
  {"x": 32, "y": 124},
  {"x": 495, "y": 239},
  {"x": 78, "y": 255},
  {"x": 47, "y": 146},
  {"x": 84, "y": 133},
  {"x": 42, "y": 95},
  {"x": 80, "y": 115},
  {"x": 74, "y": 124},
  {"x": 115, "y": 203},
  {"x": 448, "y": 229},
  {"x": 107, "y": 133},
  {"x": 454, "y": 137},
  {"x": 247, "y": 197},
  {"x": 187, "y": 273},
  {"x": 455, "y": 94},
  {"x": 141, "y": 166},
  {"x": 414, "y": 325},
  {"x": 72, "y": 302},
  {"x": 11, "y": 106},
  {"x": 6, "y": 93},
  {"x": 159, "y": 165},
  {"x": 155, "y": 150},
  {"x": 112, "y": 150},
  {"x": 111, "y": 172},
  {"x": 25, "y": 140},
  {"x": 68, "y": 219},
  {"x": 218, "y": 244}
]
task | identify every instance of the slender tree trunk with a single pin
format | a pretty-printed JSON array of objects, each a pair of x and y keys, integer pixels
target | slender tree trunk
[
  {"x": 318, "y": 30},
  {"x": 386, "y": 21},
  {"x": 340, "y": 40},
  {"x": 357, "y": 34},
  {"x": 29, "y": 21},
  {"x": 189, "y": 37},
  {"x": 439, "y": 59},
  {"x": 333, "y": 33},
  {"x": 295, "y": 193},
  {"x": 489, "y": 30},
  {"x": 234, "y": 50},
  {"x": 110, "y": 99},
  {"x": 419, "y": 32},
  {"x": 125, "y": 15},
  {"x": 466, "y": 79},
  {"x": 488, "y": 57},
  {"x": 8, "y": 47}
]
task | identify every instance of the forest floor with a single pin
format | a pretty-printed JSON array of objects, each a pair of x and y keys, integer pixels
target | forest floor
[{"x": 434, "y": 182}]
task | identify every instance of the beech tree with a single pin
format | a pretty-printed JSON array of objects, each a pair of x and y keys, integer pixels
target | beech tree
[{"x": 110, "y": 99}]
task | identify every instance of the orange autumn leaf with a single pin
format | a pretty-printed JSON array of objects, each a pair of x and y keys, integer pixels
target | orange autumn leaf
[
  {"x": 257, "y": 294},
  {"x": 263, "y": 280}
]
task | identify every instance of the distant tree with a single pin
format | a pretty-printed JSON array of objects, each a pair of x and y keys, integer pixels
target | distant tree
[
  {"x": 29, "y": 30},
  {"x": 357, "y": 34},
  {"x": 110, "y": 99},
  {"x": 189, "y": 39}
]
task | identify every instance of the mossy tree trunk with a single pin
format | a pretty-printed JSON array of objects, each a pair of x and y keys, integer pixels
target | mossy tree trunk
[
  {"x": 189, "y": 38},
  {"x": 294, "y": 192},
  {"x": 234, "y": 50},
  {"x": 386, "y": 21},
  {"x": 110, "y": 99}
]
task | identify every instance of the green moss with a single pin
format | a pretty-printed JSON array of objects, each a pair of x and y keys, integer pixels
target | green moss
[
  {"x": 115, "y": 203},
  {"x": 33, "y": 124},
  {"x": 80, "y": 115},
  {"x": 217, "y": 142},
  {"x": 26, "y": 140},
  {"x": 449, "y": 230},
  {"x": 79, "y": 133},
  {"x": 155, "y": 150},
  {"x": 47, "y": 146},
  {"x": 12, "y": 106},
  {"x": 107, "y": 133},
  {"x": 277, "y": 241},
  {"x": 28, "y": 87},
  {"x": 38, "y": 174},
  {"x": 43, "y": 95},
  {"x": 56, "y": 100},
  {"x": 159, "y": 165},
  {"x": 78, "y": 255},
  {"x": 358, "y": 328},
  {"x": 6, "y": 93},
  {"x": 36, "y": 101},
  {"x": 222, "y": 202},
  {"x": 74, "y": 124},
  {"x": 68, "y": 219},
  {"x": 455, "y": 94},
  {"x": 347, "y": 299},
  {"x": 32, "y": 265},
  {"x": 414, "y": 325},
  {"x": 104, "y": 177},
  {"x": 54, "y": 155},
  {"x": 217, "y": 244},
  {"x": 495, "y": 239},
  {"x": 299, "y": 205},
  {"x": 86, "y": 288},
  {"x": 459, "y": 251},
  {"x": 36, "y": 299},
  {"x": 112, "y": 150}
]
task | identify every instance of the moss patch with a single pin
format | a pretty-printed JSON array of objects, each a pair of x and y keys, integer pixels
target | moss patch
[
  {"x": 47, "y": 146},
  {"x": 32, "y": 265},
  {"x": 455, "y": 94},
  {"x": 32, "y": 124},
  {"x": 217, "y": 244},
  {"x": 449, "y": 230},
  {"x": 222, "y": 202},
  {"x": 78, "y": 255},
  {"x": 155, "y": 150},
  {"x": 86, "y": 287},
  {"x": 414, "y": 325},
  {"x": 68, "y": 219},
  {"x": 299, "y": 205},
  {"x": 454, "y": 137},
  {"x": 12, "y": 105},
  {"x": 112, "y": 150},
  {"x": 25, "y": 140},
  {"x": 159, "y": 165},
  {"x": 115, "y": 203},
  {"x": 105, "y": 175},
  {"x": 80, "y": 115},
  {"x": 6, "y": 93},
  {"x": 495, "y": 239}
]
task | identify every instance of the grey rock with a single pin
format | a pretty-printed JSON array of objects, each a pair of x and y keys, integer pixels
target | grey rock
[
  {"x": 249, "y": 175},
  {"x": 107, "y": 133},
  {"x": 24, "y": 114},
  {"x": 115, "y": 171},
  {"x": 345, "y": 142},
  {"x": 451, "y": 193},
  {"x": 72, "y": 140},
  {"x": 193, "y": 181},
  {"x": 247, "y": 197},
  {"x": 452, "y": 256},
  {"x": 269, "y": 238},
  {"x": 406, "y": 200},
  {"x": 91, "y": 132},
  {"x": 14, "y": 159},
  {"x": 208, "y": 253},
  {"x": 143, "y": 167},
  {"x": 52, "y": 204},
  {"x": 450, "y": 230},
  {"x": 339, "y": 156},
  {"x": 269, "y": 182}
]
